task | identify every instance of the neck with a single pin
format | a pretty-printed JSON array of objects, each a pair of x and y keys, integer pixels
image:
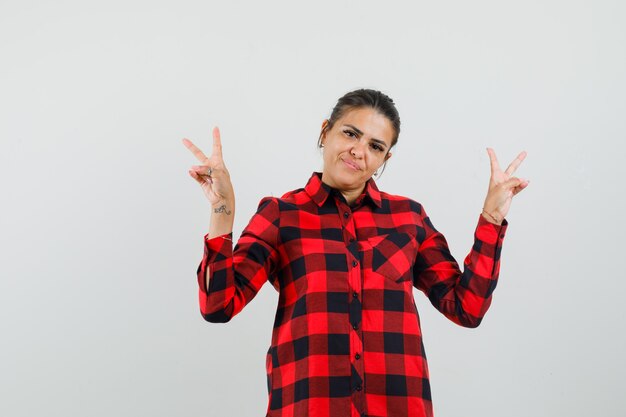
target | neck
[{"x": 350, "y": 194}]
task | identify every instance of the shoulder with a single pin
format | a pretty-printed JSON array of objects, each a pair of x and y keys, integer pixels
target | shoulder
[
  {"x": 399, "y": 203},
  {"x": 268, "y": 208},
  {"x": 291, "y": 200},
  {"x": 287, "y": 201}
]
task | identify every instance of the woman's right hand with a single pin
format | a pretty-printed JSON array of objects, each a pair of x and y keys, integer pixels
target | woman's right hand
[{"x": 217, "y": 185}]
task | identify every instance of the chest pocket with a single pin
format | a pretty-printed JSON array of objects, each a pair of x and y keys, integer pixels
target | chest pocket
[{"x": 391, "y": 255}]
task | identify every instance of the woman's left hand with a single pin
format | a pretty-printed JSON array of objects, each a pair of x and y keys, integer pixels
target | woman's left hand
[{"x": 502, "y": 187}]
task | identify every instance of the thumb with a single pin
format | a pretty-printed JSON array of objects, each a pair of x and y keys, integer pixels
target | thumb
[{"x": 513, "y": 182}]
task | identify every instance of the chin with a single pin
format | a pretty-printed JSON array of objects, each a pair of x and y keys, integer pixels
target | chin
[{"x": 351, "y": 180}]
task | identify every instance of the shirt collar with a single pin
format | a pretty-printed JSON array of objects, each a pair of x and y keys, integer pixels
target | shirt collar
[{"x": 319, "y": 190}]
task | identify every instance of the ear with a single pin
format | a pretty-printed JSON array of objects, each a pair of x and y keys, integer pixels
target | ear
[
  {"x": 388, "y": 156},
  {"x": 323, "y": 131},
  {"x": 324, "y": 124}
]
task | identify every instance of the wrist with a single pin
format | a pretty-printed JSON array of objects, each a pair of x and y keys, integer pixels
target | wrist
[
  {"x": 223, "y": 204},
  {"x": 493, "y": 216}
]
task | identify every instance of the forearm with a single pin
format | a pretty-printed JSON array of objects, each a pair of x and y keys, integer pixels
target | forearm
[
  {"x": 461, "y": 295},
  {"x": 228, "y": 279},
  {"x": 222, "y": 219}
]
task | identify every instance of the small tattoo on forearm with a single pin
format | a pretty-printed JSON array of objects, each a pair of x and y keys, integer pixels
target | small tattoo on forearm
[{"x": 221, "y": 209}]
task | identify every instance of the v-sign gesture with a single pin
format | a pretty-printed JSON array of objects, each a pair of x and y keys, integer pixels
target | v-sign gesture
[
  {"x": 212, "y": 175},
  {"x": 502, "y": 187}
]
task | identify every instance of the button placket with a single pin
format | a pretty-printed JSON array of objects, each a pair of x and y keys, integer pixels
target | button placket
[{"x": 355, "y": 307}]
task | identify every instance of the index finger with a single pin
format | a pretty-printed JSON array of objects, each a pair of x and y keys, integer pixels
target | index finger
[
  {"x": 516, "y": 163},
  {"x": 493, "y": 160},
  {"x": 195, "y": 150},
  {"x": 217, "y": 142}
]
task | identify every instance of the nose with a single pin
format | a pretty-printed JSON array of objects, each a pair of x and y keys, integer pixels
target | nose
[{"x": 357, "y": 148}]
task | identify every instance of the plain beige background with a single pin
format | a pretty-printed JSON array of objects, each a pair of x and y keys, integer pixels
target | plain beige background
[{"x": 101, "y": 227}]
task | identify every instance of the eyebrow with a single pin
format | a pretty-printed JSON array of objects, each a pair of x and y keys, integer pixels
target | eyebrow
[{"x": 356, "y": 129}]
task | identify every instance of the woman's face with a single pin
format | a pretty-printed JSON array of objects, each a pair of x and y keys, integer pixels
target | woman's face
[{"x": 356, "y": 146}]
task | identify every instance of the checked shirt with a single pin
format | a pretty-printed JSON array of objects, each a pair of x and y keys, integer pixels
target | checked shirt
[{"x": 346, "y": 338}]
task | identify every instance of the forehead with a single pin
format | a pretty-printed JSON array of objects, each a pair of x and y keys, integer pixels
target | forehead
[{"x": 370, "y": 122}]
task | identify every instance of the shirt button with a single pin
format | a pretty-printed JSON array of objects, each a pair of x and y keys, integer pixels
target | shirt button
[
  {"x": 346, "y": 214},
  {"x": 355, "y": 294},
  {"x": 355, "y": 326},
  {"x": 358, "y": 388},
  {"x": 354, "y": 263},
  {"x": 357, "y": 356}
]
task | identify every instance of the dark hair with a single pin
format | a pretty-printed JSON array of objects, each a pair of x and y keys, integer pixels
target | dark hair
[{"x": 365, "y": 97}]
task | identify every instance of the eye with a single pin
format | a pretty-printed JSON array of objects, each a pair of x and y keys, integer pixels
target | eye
[
  {"x": 350, "y": 133},
  {"x": 377, "y": 147}
]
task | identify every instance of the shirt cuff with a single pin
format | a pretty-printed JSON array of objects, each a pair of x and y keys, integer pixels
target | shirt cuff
[
  {"x": 490, "y": 232},
  {"x": 218, "y": 248}
]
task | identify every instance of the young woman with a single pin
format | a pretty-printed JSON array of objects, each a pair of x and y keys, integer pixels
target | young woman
[{"x": 344, "y": 258}]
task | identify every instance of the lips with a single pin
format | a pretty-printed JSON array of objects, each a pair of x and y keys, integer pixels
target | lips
[{"x": 351, "y": 165}]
